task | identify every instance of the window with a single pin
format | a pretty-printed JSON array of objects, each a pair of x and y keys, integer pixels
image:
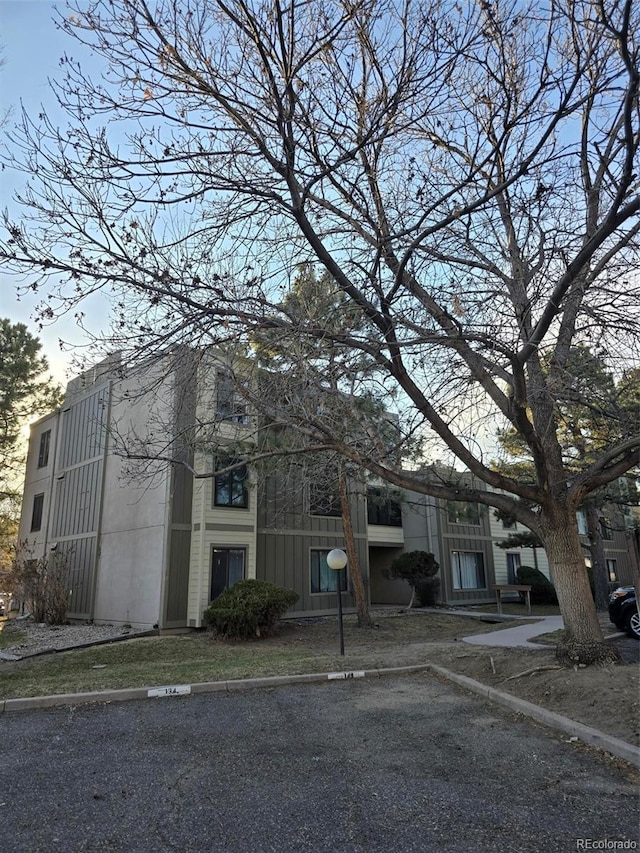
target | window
[
  {"x": 36, "y": 513},
  {"x": 513, "y": 564},
  {"x": 508, "y": 524},
  {"x": 467, "y": 569},
  {"x": 323, "y": 501},
  {"x": 43, "y": 454},
  {"x": 581, "y": 517},
  {"x": 230, "y": 489},
  {"x": 605, "y": 531},
  {"x": 460, "y": 512},
  {"x": 324, "y": 579},
  {"x": 383, "y": 508},
  {"x": 612, "y": 570},
  {"x": 230, "y": 406},
  {"x": 227, "y": 567}
]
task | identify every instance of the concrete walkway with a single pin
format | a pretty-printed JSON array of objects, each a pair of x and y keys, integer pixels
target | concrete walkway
[{"x": 520, "y": 635}]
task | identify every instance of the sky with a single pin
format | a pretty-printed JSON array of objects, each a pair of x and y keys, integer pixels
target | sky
[{"x": 31, "y": 49}]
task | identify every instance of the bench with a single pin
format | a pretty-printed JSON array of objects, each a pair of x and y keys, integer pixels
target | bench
[{"x": 513, "y": 587}]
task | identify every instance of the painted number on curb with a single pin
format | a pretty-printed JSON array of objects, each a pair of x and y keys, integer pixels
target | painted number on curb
[
  {"x": 174, "y": 690},
  {"x": 356, "y": 674}
]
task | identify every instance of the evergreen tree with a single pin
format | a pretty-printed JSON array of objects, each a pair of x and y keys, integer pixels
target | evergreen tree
[
  {"x": 314, "y": 374},
  {"x": 25, "y": 393}
]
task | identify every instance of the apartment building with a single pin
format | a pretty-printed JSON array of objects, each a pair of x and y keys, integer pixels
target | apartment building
[{"x": 155, "y": 549}]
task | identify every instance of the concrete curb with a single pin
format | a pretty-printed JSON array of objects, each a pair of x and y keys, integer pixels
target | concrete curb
[
  {"x": 615, "y": 746},
  {"x": 586, "y": 734},
  {"x": 128, "y": 693}
]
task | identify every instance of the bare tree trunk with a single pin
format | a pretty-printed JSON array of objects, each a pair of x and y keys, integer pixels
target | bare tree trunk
[
  {"x": 598, "y": 561},
  {"x": 359, "y": 592},
  {"x": 583, "y": 641}
]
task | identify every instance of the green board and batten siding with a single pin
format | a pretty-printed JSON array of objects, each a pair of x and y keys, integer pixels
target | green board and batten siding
[
  {"x": 78, "y": 495},
  {"x": 176, "y": 587},
  {"x": 286, "y": 536}
]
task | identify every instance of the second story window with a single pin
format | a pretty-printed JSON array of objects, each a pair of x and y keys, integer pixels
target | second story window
[
  {"x": 230, "y": 489},
  {"x": 324, "y": 501},
  {"x": 43, "y": 453},
  {"x": 460, "y": 512},
  {"x": 605, "y": 531},
  {"x": 36, "y": 512},
  {"x": 581, "y": 517},
  {"x": 230, "y": 406},
  {"x": 383, "y": 508}
]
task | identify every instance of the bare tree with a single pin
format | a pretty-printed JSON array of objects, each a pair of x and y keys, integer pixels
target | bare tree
[{"x": 467, "y": 174}]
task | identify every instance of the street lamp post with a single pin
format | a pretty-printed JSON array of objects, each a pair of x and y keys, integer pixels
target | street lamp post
[{"x": 337, "y": 560}]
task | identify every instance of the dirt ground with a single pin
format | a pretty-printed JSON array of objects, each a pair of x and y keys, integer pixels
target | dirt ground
[{"x": 604, "y": 697}]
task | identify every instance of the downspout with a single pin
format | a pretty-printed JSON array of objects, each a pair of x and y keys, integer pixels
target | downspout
[{"x": 166, "y": 557}]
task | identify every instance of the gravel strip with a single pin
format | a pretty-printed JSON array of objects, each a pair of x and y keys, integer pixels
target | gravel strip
[{"x": 41, "y": 638}]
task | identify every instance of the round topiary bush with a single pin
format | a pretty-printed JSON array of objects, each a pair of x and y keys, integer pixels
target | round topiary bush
[
  {"x": 542, "y": 590},
  {"x": 249, "y": 609}
]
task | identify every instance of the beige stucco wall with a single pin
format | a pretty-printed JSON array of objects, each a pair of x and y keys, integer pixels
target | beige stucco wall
[{"x": 133, "y": 533}]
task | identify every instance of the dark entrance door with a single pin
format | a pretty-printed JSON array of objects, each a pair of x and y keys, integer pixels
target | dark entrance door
[{"x": 227, "y": 567}]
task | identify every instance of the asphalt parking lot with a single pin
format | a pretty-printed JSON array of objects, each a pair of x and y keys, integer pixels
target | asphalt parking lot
[
  {"x": 628, "y": 647},
  {"x": 404, "y": 764}
]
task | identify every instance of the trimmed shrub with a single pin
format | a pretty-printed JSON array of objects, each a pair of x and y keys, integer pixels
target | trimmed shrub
[
  {"x": 415, "y": 567},
  {"x": 428, "y": 592},
  {"x": 542, "y": 590},
  {"x": 249, "y": 609}
]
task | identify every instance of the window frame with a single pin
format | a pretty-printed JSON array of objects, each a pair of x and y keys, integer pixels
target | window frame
[
  {"x": 320, "y": 500},
  {"x": 383, "y": 508},
  {"x": 453, "y": 513},
  {"x": 512, "y": 570},
  {"x": 228, "y": 549},
  {"x": 43, "y": 451},
  {"x": 230, "y": 406},
  {"x": 606, "y": 532},
  {"x": 37, "y": 511},
  {"x": 480, "y": 567},
  {"x": 581, "y": 521},
  {"x": 331, "y": 589},
  {"x": 237, "y": 477}
]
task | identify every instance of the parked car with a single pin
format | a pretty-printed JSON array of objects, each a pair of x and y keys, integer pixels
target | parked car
[{"x": 623, "y": 610}]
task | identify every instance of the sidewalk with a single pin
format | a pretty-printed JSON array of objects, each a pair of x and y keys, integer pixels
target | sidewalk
[
  {"x": 520, "y": 635},
  {"x": 516, "y": 636}
]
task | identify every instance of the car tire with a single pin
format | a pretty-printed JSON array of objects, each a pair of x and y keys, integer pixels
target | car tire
[{"x": 632, "y": 626}]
